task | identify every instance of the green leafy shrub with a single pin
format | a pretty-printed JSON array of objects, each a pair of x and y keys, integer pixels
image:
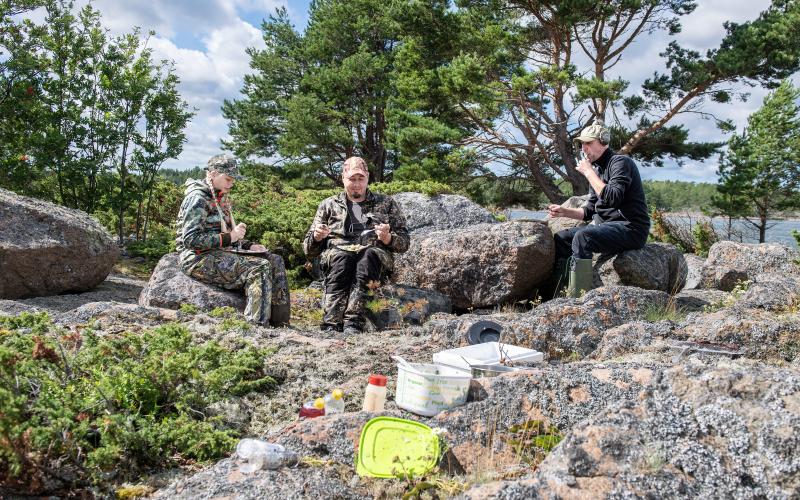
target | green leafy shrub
[
  {"x": 231, "y": 324},
  {"x": 704, "y": 237},
  {"x": 80, "y": 410},
  {"x": 189, "y": 309},
  {"x": 156, "y": 246},
  {"x": 796, "y": 236},
  {"x": 278, "y": 217},
  {"x": 222, "y": 312}
]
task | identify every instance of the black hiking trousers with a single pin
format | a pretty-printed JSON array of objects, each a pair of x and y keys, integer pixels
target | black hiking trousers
[
  {"x": 347, "y": 278},
  {"x": 607, "y": 237}
]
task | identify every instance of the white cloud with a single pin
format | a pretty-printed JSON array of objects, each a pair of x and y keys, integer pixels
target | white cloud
[
  {"x": 691, "y": 171},
  {"x": 207, "y": 78},
  {"x": 703, "y": 29}
]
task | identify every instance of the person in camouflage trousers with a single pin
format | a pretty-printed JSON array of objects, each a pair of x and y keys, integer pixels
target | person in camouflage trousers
[
  {"x": 356, "y": 234},
  {"x": 206, "y": 236}
]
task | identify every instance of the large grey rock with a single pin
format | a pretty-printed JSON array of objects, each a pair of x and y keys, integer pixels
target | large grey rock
[
  {"x": 395, "y": 306},
  {"x": 694, "y": 266},
  {"x": 562, "y": 328},
  {"x": 759, "y": 334},
  {"x": 732, "y": 431},
  {"x": 445, "y": 211},
  {"x": 47, "y": 249},
  {"x": 560, "y": 396},
  {"x": 729, "y": 263},
  {"x": 773, "y": 292},
  {"x": 115, "y": 288},
  {"x": 224, "y": 480},
  {"x": 169, "y": 287},
  {"x": 481, "y": 265},
  {"x": 633, "y": 337},
  {"x": 573, "y": 328},
  {"x": 657, "y": 266},
  {"x": 561, "y": 223}
]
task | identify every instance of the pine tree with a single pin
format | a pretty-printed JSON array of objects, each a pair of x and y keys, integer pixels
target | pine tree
[{"x": 759, "y": 176}]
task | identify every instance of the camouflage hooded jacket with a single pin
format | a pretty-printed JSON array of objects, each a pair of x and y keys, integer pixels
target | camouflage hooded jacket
[
  {"x": 199, "y": 227},
  {"x": 382, "y": 209}
]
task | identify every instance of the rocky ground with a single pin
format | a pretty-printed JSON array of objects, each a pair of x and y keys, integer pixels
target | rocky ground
[{"x": 635, "y": 412}]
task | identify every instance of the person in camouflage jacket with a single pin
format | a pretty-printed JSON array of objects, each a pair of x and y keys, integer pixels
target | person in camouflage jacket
[
  {"x": 206, "y": 236},
  {"x": 356, "y": 234}
]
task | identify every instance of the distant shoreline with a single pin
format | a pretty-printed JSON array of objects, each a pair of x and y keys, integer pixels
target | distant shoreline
[
  {"x": 697, "y": 215},
  {"x": 687, "y": 213}
]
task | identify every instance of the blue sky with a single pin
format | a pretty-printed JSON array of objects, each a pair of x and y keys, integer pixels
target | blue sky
[{"x": 207, "y": 40}]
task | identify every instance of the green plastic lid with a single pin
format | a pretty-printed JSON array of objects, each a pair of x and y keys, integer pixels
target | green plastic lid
[{"x": 392, "y": 447}]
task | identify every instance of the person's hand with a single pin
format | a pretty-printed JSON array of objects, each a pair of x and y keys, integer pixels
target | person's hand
[
  {"x": 384, "y": 233},
  {"x": 585, "y": 167},
  {"x": 321, "y": 232},
  {"x": 555, "y": 211},
  {"x": 257, "y": 248},
  {"x": 237, "y": 233}
]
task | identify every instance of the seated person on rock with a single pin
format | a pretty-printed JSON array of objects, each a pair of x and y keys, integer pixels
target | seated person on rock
[
  {"x": 616, "y": 207},
  {"x": 356, "y": 234},
  {"x": 207, "y": 238}
]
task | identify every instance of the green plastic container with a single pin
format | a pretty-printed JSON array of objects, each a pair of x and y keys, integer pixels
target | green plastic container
[{"x": 392, "y": 447}]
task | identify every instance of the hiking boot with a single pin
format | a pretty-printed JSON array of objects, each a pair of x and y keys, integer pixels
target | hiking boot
[{"x": 580, "y": 278}]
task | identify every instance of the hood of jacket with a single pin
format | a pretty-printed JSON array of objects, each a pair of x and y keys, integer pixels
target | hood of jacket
[{"x": 196, "y": 186}]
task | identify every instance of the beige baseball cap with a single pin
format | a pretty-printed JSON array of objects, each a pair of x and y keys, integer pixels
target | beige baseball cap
[{"x": 596, "y": 130}]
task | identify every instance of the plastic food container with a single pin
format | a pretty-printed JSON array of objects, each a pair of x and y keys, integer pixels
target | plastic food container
[
  {"x": 489, "y": 353},
  {"x": 391, "y": 446},
  {"x": 479, "y": 371},
  {"x": 427, "y": 389}
]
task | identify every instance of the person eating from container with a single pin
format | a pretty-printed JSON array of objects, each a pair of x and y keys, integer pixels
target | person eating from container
[{"x": 355, "y": 234}]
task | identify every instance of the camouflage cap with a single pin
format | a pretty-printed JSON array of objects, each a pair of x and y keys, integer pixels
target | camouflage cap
[
  {"x": 354, "y": 165},
  {"x": 224, "y": 164},
  {"x": 596, "y": 130}
]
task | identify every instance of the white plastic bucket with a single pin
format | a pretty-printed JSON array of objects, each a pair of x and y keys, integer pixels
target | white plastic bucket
[{"x": 427, "y": 389}]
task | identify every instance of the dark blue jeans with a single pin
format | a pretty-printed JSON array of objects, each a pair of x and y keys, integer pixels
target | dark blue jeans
[{"x": 608, "y": 237}]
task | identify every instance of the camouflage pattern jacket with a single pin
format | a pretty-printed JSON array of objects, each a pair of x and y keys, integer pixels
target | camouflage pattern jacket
[
  {"x": 333, "y": 211},
  {"x": 199, "y": 227}
]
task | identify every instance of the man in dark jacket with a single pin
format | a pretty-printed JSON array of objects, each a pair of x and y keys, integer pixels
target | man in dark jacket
[
  {"x": 356, "y": 234},
  {"x": 616, "y": 207}
]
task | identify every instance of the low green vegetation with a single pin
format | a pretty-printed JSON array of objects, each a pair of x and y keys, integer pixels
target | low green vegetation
[
  {"x": 694, "y": 238},
  {"x": 83, "y": 411},
  {"x": 669, "y": 312},
  {"x": 533, "y": 440},
  {"x": 189, "y": 309},
  {"x": 222, "y": 312}
]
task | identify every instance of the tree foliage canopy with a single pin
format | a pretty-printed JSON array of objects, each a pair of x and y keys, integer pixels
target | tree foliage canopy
[
  {"x": 443, "y": 91},
  {"x": 760, "y": 174},
  {"x": 520, "y": 81},
  {"x": 87, "y": 118}
]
